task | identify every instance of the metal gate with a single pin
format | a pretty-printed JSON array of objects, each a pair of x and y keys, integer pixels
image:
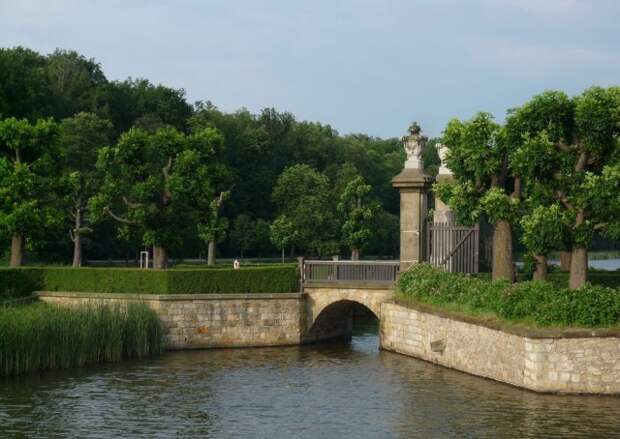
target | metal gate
[{"x": 454, "y": 247}]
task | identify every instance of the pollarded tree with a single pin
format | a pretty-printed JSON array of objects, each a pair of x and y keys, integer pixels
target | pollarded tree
[
  {"x": 568, "y": 148},
  {"x": 81, "y": 136},
  {"x": 152, "y": 181},
  {"x": 543, "y": 230},
  {"x": 357, "y": 211},
  {"x": 283, "y": 234},
  {"x": 29, "y": 155},
  {"x": 483, "y": 184},
  {"x": 212, "y": 226}
]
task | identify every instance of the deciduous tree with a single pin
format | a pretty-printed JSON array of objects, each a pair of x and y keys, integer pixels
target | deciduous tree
[
  {"x": 151, "y": 181},
  {"x": 29, "y": 155},
  {"x": 568, "y": 149},
  {"x": 484, "y": 183},
  {"x": 81, "y": 137},
  {"x": 283, "y": 234},
  {"x": 357, "y": 212}
]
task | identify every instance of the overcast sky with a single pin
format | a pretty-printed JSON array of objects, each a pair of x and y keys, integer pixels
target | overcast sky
[{"x": 359, "y": 65}]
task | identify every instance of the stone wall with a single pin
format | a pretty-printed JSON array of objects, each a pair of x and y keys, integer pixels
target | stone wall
[
  {"x": 569, "y": 363},
  {"x": 207, "y": 321}
]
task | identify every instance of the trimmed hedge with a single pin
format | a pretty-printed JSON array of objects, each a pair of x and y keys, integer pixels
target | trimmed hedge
[
  {"x": 15, "y": 283},
  {"x": 531, "y": 302},
  {"x": 264, "y": 279}
]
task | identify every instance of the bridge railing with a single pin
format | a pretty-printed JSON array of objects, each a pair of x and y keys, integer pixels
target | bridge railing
[{"x": 350, "y": 271}]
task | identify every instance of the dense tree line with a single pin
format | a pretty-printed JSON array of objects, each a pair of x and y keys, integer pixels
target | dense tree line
[{"x": 92, "y": 168}]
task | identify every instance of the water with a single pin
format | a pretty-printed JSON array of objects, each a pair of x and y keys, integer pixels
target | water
[{"x": 343, "y": 389}]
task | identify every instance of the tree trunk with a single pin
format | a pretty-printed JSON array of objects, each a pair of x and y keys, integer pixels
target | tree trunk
[
  {"x": 565, "y": 257},
  {"x": 503, "y": 265},
  {"x": 283, "y": 255},
  {"x": 355, "y": 254},
  {"x": 578, "y": 268},
  {"x": 77, "y": 250},
  {"x": 77, "y": 239},
  {"x": 17, "y": 250},
  {"x": 541, "y": 268},
  {"x": 160, "y": 257},
  {"x": 211, "y": 253}
]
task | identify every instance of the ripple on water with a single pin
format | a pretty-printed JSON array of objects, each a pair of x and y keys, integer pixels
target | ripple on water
[{"x": 327, "y": 390}]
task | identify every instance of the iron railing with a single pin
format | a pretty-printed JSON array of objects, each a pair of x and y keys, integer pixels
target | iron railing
[
  {"x": 350, "y": 271},
  {"x": 453, "y": 247}
]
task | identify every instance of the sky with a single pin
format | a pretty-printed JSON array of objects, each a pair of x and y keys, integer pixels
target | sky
[{"x": 361, "y": 66}]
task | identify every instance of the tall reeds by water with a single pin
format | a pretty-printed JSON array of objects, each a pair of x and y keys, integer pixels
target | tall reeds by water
[{"x": 43, "y": 337}]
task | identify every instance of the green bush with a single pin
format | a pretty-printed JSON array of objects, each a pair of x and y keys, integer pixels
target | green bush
[
  {"x": 105, "y": 280},
  {"x": 281, "y": 278},
  {"x": 43, "y": 337},
  {"x": 263, "y": 279},
  {"x": 541, "y": 303},
  {"x": 15, "y": 283}
]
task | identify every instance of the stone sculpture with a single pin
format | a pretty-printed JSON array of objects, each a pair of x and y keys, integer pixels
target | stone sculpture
[{"x": 414, "y": 144}]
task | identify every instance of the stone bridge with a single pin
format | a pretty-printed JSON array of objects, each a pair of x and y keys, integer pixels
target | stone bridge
[
  {"x": 330, "y": 307},
  {"x": 333, "y": 289}
]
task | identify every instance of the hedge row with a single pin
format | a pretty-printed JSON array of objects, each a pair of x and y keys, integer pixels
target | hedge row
[
  {"x": 531, "y": 302},
  {"x": 264, "y": 279}
]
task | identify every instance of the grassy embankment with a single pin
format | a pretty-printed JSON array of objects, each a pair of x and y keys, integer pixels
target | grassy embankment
[{"x": 526, "y": 303}]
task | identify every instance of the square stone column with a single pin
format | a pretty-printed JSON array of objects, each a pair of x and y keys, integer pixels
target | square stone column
[{"x": 413, "y": 185}]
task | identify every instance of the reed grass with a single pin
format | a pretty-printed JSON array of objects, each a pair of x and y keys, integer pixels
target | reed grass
[{"x": 46, "y": 337}]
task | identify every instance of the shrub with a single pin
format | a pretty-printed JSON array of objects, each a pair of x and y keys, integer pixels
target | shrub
[
  {"x": 544, "y": 303},
  {"x": 254, "y": 279},
  {"x": 20, "y": 282},
  {"x": 263, "y": 279},
  {"x": 43, "y": 337}
]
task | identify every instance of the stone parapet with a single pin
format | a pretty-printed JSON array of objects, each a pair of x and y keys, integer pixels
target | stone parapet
[{"x": 571, "y": 362}]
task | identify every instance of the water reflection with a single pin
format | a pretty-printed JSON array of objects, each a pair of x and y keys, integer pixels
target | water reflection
[{"x": 338, "y": 389}]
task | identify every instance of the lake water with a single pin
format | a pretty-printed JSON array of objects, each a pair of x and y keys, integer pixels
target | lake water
[{"x": 340, "y": 389}]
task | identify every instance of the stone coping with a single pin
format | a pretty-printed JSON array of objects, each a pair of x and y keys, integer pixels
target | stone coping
[
  {"x": 511, "y": 328},
  {"x": 168, "y": 297},
  {"x": 351, "y": 285}
]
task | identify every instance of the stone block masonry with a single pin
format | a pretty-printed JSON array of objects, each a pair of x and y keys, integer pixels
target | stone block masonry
[
  {"x": 563, "y": 363},
  {"x": 212, "y": 320}
]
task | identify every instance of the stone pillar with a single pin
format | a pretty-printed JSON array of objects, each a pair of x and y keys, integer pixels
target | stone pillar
[
  {"x": 413, "y": 185},
  {"x": 442, "y": 212}
]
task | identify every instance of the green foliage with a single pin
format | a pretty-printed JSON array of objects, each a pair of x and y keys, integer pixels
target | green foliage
[
  {"x": 543, "y": 229},
  {"x": 430, "y": 157},
  {"x": 152, "y": 181},
  {"x": 283, "y": 233},
  {"x": 302, "y": 195},
  {"x": 212, "y": 226},
  {"x": 222, "y": 280},
  {"x": 29, "y": 156},
  {"x": 19, "y": 282},
  {"x": 243, "y": 235},
  {"x": 357, "y": 213},
  {"x": 566, "y": 153},
  {"x": 539, "y": 303},
  {"x": 478, "y": 157},
  {"x": 261, "y": 279},
  {"x": 46, "y": 337}
]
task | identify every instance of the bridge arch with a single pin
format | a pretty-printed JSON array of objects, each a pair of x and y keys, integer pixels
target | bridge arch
[{"x": 329, "y": 308}]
